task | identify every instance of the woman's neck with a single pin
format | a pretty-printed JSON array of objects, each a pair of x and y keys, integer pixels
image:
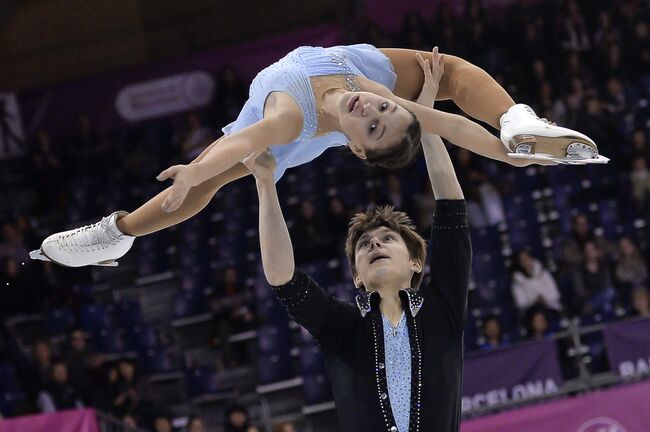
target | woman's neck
[{"x": 327, "y": 94}]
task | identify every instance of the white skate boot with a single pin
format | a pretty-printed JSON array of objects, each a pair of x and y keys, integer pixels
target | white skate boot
[
  {"x": 99, "y": 244},
  {"x": 527, "y": 136}
]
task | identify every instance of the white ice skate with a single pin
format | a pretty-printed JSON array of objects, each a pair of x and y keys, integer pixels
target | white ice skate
[
  {"x": 527, "y": 136},
  {"x": 99, "y": 244}
]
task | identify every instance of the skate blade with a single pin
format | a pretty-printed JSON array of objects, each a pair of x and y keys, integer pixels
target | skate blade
[
  {"x": 38, "y": 255},
  {"x": 565, "y": 161},
  {"x": 108, "y": 263}
]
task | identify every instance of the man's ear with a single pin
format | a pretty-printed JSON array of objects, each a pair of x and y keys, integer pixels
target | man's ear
[
  {"x": 416, "y": 265},
  {"x": 357, "y": 150}
]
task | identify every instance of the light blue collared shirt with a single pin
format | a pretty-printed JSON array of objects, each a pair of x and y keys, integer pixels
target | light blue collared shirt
[{"x": 398, "y": 370}]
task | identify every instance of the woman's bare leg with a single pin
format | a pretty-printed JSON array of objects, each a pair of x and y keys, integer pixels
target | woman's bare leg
[
  {"x": 470, "y": 87},
  {"x": 150, "y": 217}
]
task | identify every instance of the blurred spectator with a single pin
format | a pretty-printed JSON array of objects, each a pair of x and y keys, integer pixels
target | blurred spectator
[
  {"x": 195, "y": 139},
  {"x": 47, "y": 173},
  {"x": 631, "y": 269},
  {"x": 424, "y": 206},
  {"x": 58, "y": 394},
  {"x": 593, "y": 120},
  {"x": 537, "y": 324},
  {"x": 414, "y": 33},
  {"x": 38, "y": 372},
  {"x": 81, "y": 148},
  {"x": 285, "y": 427},
  {"x": 572, "y": 28},
  {"x": 592, "y": 282},
  {"x": 16, "y": 291},
  {"x": 12, "y": 244},
  {"x": 237, "y": 419},
  {"x": 231, "y": 93},
  {"x": 532, "y": 284},
  {"x": 337, "y": 221},
  {"x": 131, "y": 390},
  {"x": 639, "y": 145},
  {"x": 640, "y": 301},
  {"x": 162, "y": 424},
  {"x": 196, "y": 424},
  {"x": 130, "y": 423},
  {"x": 492, "y": 334},
  {"x": 573, "y": 245},
  {"x": 640, "y": 179},
  {"x": 310, "y": 237},
  {"x": 78, "y": 360}
]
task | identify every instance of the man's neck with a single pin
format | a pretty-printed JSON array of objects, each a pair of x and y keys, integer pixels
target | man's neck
[{"x": 391, "y": 306}]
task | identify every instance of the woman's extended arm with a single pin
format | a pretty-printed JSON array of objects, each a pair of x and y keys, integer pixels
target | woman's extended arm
[{"x": 280, "y": 126}]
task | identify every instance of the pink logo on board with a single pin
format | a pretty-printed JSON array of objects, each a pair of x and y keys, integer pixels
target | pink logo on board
[{"x": 601, "y": 424}]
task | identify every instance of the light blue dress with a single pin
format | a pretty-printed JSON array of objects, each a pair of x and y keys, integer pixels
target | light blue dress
[{"x": 291, "y": 75}]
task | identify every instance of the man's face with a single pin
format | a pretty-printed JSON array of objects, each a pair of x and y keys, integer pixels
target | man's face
[
  {"x": 381, "y": 255},
  {"x": 372, "y": 122}
]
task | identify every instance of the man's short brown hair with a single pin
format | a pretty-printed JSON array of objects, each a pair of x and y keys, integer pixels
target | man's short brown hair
[{"x": 397, "y": 221}]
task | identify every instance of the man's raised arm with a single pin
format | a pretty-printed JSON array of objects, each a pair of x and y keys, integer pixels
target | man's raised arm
[
  {"x": 275, "y": 243},
  {"x": 324, "y": 316},
  {"x": 451, "y": 249}
]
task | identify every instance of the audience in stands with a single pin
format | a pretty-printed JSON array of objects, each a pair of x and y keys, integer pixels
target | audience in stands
[
  {"x": 596, "y": 86},
  {"x": 537, "y": 325},
  {"x": 285, "y": 427},
  {"x": 196, "y": 424},
  {"x": 162, "y": 423},
  {"x": 237, "y": 420},
  {"x": 492, "y": 334},
  {"x": 630, "y": 269},
  {"x": 58, "y": 394},
  {"x": 592, "y": 282},
  {"x": 533, "y": 285},
  {"x": 640, "y": 301}
]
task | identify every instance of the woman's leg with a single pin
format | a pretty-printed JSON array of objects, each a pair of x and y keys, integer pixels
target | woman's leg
[
  {"x": 470, "y": 87},
  {"x": 150, "y": 218}
]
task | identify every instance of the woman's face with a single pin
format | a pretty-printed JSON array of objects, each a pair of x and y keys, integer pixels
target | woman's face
[{"x": 372, "y": 122}]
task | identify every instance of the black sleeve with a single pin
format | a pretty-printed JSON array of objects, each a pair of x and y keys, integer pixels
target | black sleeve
[
  {"x": 327, "y": 318},
  {"x": 450, "y": 261}
]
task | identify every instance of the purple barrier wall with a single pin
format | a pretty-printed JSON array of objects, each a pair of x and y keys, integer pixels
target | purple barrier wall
[
  {"x": 65, "y": 421},
  {"x": 628, "y": 347},
  {"x": 57, "y": 107},
  {"x": 521, "y": 372},
  {"x": 624, "y": 409}
]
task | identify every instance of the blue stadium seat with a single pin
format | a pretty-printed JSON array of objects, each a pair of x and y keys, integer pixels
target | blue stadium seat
[
  {"x": 8, "y": 378},
  {"x": 487, "y": 267},
  {"x": 274, "y": 368},
  {"x": 525, "y": 234},
  {"x": 129, "y": 313},
  {"x": 93, "y": 317},
  {"x": 189, "y": 303},
  {"x": 8, "y": 402},
  {"x": 59, "y": 321},
  {"x": 486, "y": 240},
  {"x": 155, "y": 360},
  {"x": 311, "y": 360},
  {"x": 202, "y": 381},
  {"x": 142, "y": 338},
  {"x": 108, "y": 341},
  {"x": 274, "y": 339},
  {"x": 316, "y": 389}
]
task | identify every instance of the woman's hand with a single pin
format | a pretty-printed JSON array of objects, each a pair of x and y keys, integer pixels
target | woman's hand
[
  {"x": 432, "y": 75},
  {"x": 185, "y": 178},
  {"x": 261, "y": 164}
]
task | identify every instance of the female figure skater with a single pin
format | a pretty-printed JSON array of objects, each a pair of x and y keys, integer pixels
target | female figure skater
[{"x": 325, "y": 97}]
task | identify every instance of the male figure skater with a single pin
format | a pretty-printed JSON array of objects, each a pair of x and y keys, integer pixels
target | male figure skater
[{"x": 395, "y": 358}]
